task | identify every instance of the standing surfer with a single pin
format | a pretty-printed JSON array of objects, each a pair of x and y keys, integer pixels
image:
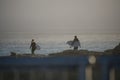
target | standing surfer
[
  {"x": 76, "y": 43},
  {"x": 33, "y": 46}
]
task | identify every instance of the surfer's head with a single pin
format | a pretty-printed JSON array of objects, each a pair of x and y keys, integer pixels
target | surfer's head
[
  {"x": 32, "y": 40},
  {"x": 75, "y": 36}
]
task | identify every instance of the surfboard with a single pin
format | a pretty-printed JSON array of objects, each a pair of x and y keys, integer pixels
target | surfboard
[
  {"x": 37, "y": 47},
  {"x": 75, "y": 44},
  {"x": 69, "y": 43}
]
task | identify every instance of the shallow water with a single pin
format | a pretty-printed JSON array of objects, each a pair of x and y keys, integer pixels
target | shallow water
[{"x": 20, "y": 42}]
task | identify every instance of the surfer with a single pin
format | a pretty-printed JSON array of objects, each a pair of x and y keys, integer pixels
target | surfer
[
  {"x": 33, "y": 46},
  {"x": 76, "y": 43}
]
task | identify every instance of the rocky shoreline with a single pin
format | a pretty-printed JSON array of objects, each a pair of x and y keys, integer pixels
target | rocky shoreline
[{"x": 109, "y": 52}]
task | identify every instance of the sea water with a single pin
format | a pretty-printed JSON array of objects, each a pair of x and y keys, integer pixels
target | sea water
[{"x": 53, "y": 43}]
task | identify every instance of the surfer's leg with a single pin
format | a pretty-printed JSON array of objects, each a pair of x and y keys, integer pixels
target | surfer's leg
[{"x": 32, "y": 50}]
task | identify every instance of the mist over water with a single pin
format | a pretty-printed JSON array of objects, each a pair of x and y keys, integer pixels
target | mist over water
[
  {"x": 52, "y": 43},
  {"x": 22, "y": 20}
]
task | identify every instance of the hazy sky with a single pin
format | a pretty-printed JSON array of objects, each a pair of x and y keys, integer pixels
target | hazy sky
[{"x": 60, "y": 16}]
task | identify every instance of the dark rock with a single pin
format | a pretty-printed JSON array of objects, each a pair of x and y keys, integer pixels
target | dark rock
[
  {"x": 77, "y": 53},
  {"x": 13, "y": 54},
  {"x": 116, "y": 50},
  {"x": 108, "y": 52}
]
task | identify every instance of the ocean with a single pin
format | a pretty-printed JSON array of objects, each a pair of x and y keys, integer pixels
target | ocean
[{"x": 53, "y": 43}]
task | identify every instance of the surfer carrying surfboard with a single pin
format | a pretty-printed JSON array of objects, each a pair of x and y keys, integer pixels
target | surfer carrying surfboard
[
  {"x": 33, "y": 46},
  {"x": 74, "y": 43}
]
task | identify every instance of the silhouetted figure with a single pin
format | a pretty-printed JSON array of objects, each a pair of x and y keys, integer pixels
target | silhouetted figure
[
  {"x": 76, "y": 43},
  {"x": 33, "y": 46}
]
